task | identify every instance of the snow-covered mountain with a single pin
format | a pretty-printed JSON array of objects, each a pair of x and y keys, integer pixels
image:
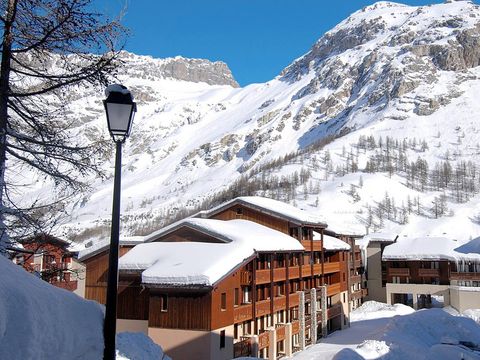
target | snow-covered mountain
[{"x": 336, "y": 132}]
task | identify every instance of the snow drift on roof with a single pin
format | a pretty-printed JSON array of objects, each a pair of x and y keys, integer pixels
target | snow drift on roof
[
  {"x": 429, "y": 248},
  {"x": 99, "y": 246},
  {"x": 196, "y": 263},
  {"x": 275, "y": 207},
  {"x": 331, "y": 243}
]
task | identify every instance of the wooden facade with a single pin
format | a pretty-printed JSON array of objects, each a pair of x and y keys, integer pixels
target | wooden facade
[{"x": 96, "y": 268}]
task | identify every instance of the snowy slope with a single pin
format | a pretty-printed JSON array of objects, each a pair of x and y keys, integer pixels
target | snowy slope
[
  {"x": 389, "y": 70},
  {"x": 398, "y": 332}
]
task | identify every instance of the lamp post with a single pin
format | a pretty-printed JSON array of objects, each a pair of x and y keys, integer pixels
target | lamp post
[{"x": 120, "y": 110}]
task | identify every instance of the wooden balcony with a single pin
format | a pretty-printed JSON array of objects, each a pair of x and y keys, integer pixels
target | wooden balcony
[
  {"x": 307, "y": 244},
  {"x": 364, "y": 292},
  {"x": 333, "y": 289},
  {"x": 263, "y": 340},
  {"x": 294, "y": 272},
  {"x": 334, "y": 311},
  {"x": 279, "y": 274},
  {"x": 262, "y": 308},
  {"x": 243, "y": 348},
  {"x": 295, "y": 327},
  {"x": 355, "y": 279},
  {"x": 262, "y": 276},
  {"x": 245, "y": 278},
  {"x": 398, "y": 271},
  {"x": 465, "y": 276},
  {"x": 280, "y": 330},
  {"x": 429, "y": 272},
  {"x": 317, "y": 269},
  {"x": 356, "y": 295},
  {"x": 294, "y": 300},
  {"x": 306, "y": 271},
  {"x": 242, "y": 313},
  {"x": 67, "y": 285},
  {"x": 331, "y": 267},
  {"x": 280, "y": 303}
]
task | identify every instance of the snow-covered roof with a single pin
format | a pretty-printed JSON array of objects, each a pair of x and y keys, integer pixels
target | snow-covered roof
[
  {"x": 431, "y": 248},
  {"x": 330, "y": 242},
  {"x": 200, "y": 263},
  {"x": 98, "y": 246},
  {"x": 272, "y": 207},
  {"x": 376, "y": 237}
]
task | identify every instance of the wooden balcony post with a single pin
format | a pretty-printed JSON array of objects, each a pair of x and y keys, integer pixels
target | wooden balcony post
[
  {"x": 287, "y": 290},
  {"x": 254, "y": 297},
  {"x": 272, "y": 287}
]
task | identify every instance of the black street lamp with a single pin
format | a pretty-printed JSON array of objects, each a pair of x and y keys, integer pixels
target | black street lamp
[{"x": 120, "y": 109}]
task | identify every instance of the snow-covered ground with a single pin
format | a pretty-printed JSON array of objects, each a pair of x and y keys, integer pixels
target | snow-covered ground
[
  {"x": 40, "y": 321},
  {"x": 398, "y": 332}
]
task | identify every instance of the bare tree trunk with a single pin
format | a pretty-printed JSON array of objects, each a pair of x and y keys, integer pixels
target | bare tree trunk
[{"x": 4, "y": 94}]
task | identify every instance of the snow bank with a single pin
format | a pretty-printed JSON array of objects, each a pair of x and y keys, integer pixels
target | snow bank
[
  {"x": 374, "y": 310},
  {"x": 138, "y": 346},
  {"x": 397, "y": 332},
  {"x": 40, "y": 321}
]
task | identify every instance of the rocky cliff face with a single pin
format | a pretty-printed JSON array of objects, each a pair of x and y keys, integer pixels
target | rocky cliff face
[{"x": 180, "y": 68}]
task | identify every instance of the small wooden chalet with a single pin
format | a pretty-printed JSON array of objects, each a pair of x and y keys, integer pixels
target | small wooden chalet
[
  {"x": 51, "y": 259},
  {"x": 422, "y": 271}
]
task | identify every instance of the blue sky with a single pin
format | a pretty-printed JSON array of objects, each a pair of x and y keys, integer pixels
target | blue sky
[{"x": 256, "y": 38}]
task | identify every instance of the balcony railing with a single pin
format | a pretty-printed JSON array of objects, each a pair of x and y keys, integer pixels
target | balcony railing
[
  {"x": 334, "y": 311},
  {"x": 356, "y": 279},
  {"x": 280, "y": 330},
  {"x": 294, "y": 272},
  {"x": 245, "y": 278},
  {"x": 243, "y": 348},
  {"x": 331, "y": 267},
  {"x": 279, "y": 274},
  {"x": 67, "y": 285},
  {"x": 279, "y": 303},
  {"x": 398, "y": 271},
  {"x": 428, "y": 272},
  {"x": 242, "y": 313},
  {"x": 262, "y": 308},
  {"x": 262, "y": 276},
  {"x": 263, "y": 340},
  {"x": 295, "y": 327},
  {"x": 333, "y": 289},
  {"x": 307, "y": 244},
  {"x": 293, "y": 300},
  {"x": 356, "y": 295},
  {"x": 465, "y": 276}
]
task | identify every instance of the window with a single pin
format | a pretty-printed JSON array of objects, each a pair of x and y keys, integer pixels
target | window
[
  {"x": 235, "y": 331},
  {"x": 223, "y": 303},
  {"x": 222, "y": 339},
  {"x": 163, "y": 303},
  {"x": 239, "y": 211},
  {"x": 246, "y": 294},
  {"x": 236, "y": 298}
]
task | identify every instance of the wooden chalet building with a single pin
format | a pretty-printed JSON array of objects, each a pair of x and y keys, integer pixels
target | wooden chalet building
[
  {"x": 420, "y": 269},
  {"x": 253, "y": 276},
  {"x": 51, "y": 259}
]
